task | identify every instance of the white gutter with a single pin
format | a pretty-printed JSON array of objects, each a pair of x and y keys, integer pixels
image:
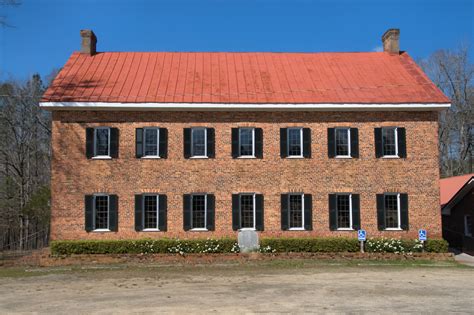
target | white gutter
[{"x": 240, "y": 106}]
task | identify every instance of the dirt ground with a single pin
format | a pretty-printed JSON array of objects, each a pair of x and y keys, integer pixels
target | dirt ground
[{"x": 260, "y": 287}]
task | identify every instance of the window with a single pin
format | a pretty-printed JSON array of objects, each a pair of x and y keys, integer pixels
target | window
[
  {"x": 247, "y": 142},
  {"x": 102, "y": 141},
  {"x": 296, "y": 211},
  {"x": 101, "y": 212},
  {"x": 467, "y": 225},
  {"x": 344, "y": 211},
  {"x": 150, "y": 212},
  {"x": 295, "y": 142},
  {"x": 392, "y": 211},
  {"x": 389, "y": 142},
  {"x": 198, "y": 142},
  {"x": 343, "y": 148},
  {"x": 198, "y": 211},
  {"x": 152, "y": 136},
  {"x": 247, "y": 211}
]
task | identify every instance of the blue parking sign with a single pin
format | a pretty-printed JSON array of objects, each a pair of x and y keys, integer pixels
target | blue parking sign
[
  {"x": 361, "y": 235},
  {"x": 422, "y": 235}
]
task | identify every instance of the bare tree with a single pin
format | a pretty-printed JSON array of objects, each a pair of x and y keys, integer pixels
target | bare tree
[{"x": 452, "y": 72}]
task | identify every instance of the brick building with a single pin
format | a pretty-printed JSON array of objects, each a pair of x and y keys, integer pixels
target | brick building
[{"x": 196, "y": 145}]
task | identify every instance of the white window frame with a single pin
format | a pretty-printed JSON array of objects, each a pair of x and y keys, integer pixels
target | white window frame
[
  {"x": 205, "y": 213},
  {"x": 288, "y": 142},
  {"x": 348, "y": 130},
  {"x": 254, "y": 228},
  {"x": 94, "y": 213},
  {"x": 351, "y": 227},
  {"x": 95, "y": 144},
  {"x": 399, "y": 228},
  {"x": 466, "y": 232},
  {"x": 302, "y": 212},
  {"x": 205, "y": 143},
  {"x": 395, "y": 130},
  {"x": 157, "y": 229},
  {"x": 253, "y": 143},
  {"x": 157, "y": 156}
]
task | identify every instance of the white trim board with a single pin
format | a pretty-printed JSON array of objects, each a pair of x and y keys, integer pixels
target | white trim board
[{"x": 240, "y": 106}]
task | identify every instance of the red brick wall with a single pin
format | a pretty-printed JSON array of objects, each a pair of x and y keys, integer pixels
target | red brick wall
[{"x": 74, "y": 176}]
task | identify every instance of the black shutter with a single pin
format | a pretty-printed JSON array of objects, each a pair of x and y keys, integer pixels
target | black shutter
[
  {"x": 402, "y": 147},
  {"x": 404, "y": 212},
  {"x": 113, "y": 213},
  {"x": 139, "y": 142},
  {"x": 354, "y": 142},
  {"x": 307, "y": 143},
  {"x": 259, "y": 143},
  {"x": 162, "y": 212},
  {"x": 380, "y": 212},
  {"x": 283, "y": 143},
  {"x": 211, "y": 147},
  {"x": 284, "y": 212},
  {"x": 235, "y": 142},
  {"x": 332, "y": 212},
  {"x": 138, "y": 213},
  {"x": 356, "y": 211},
  {"x": 163, "y": 145},
  {"x": 187, "y": 143},
  {"x": 89, "y": 142},
  {"x": 114, "y": 143},
  {"x": 308, "y": 212},
  {"x": 89, "y": 212},
  {"x": 235, "y": 212},
  {"x": 259, "y": 219},
  {"x": 187, "y": 212},
  {"x": 378, "y": 142},
  {"x": 211, "y": 212},
  {"x": 331, "y": 143}
]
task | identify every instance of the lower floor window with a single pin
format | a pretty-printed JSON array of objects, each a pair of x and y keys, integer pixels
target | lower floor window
[
  {"x": 392, "y": 211},
  {"x": 247, "y": 211},
  {"x": 344, "y": 211},
  {"x": 150, "y": 211},
  {"x": 467, "y": 225},
  {"x": 101, "y": 212},
  {"x": 296, "y": 211},
  {"x": 198, "y": 211}
]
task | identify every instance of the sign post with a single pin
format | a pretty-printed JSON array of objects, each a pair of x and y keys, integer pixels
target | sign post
[
  {"x": 422, "y": 237},
  {"x": 362, "y": 236}
]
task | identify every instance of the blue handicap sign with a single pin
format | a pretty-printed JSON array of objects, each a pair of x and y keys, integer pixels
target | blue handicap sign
[
  {"x": 422, "y": 235},
  {"x": 361, "y": 235}
]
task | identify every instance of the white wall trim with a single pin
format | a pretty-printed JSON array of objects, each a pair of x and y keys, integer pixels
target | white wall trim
[{"x": 240, "y": 106}]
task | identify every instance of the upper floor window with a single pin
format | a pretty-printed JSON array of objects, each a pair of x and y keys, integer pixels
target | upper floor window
[
  {"x": 343, "y": 142},
  {"x": 101, "y": 212},
  {"x": 151, "y": 142},
  {"x": 467, "y": 225},
  {"x": 102, "y": 143},
  {"x": 390, "y": 142},
  {"x": 344, "y": 211},
  {"x": 392, "y": 211},
  {"x": 199, "y": 142},
  {"x": 295, "y": 142},
  {"x": 247, "y": 142}
]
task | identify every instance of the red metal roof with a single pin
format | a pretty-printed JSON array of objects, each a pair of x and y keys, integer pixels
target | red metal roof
[
  {"x": 450, "y": 186},
  {"x": 195, "y": 77}
]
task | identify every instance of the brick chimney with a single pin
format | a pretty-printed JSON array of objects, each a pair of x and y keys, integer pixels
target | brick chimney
[
  {"x": 88, "y": 43},
  {"x": 391, "y": 41}
]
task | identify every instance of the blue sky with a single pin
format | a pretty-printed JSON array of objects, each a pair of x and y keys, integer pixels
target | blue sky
[{"x": 46, "y": 32}]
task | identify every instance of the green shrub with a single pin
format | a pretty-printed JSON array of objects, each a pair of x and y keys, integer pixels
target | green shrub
[
  {"x": 311, "y": 245},
  {"x": 436, "y": 246},
  {"x": 400, "y": 246}
]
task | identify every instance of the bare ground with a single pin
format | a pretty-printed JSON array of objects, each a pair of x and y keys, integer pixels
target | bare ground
[{"x": 255, "y": 287}]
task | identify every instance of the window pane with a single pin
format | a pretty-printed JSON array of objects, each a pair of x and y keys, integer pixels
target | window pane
[
  {"x": 468, "y": 226},
  {"x": 246, "y": 141},
  {"x": 199, "y": 142},
  {"x": 246, "y": 211},
  {"x": 296, "y": 211},
  {"x": 391, "y": 211},
  {"x": 151, "y": 142},
  {"x": 150, "y": 207},
  {"x": 199, "y": 211},
  {"x": 101, "y": 212},
  {"x": 343, "y": 211},
  {"x": 294, "y": 142},
  {"x": 102, "y": 142},
  {"x": 342, "y": 142},
  {"x": 389, "y": 143}
]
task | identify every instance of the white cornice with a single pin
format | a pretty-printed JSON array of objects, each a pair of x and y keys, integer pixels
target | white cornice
[{"x": 240, "y": 106}]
